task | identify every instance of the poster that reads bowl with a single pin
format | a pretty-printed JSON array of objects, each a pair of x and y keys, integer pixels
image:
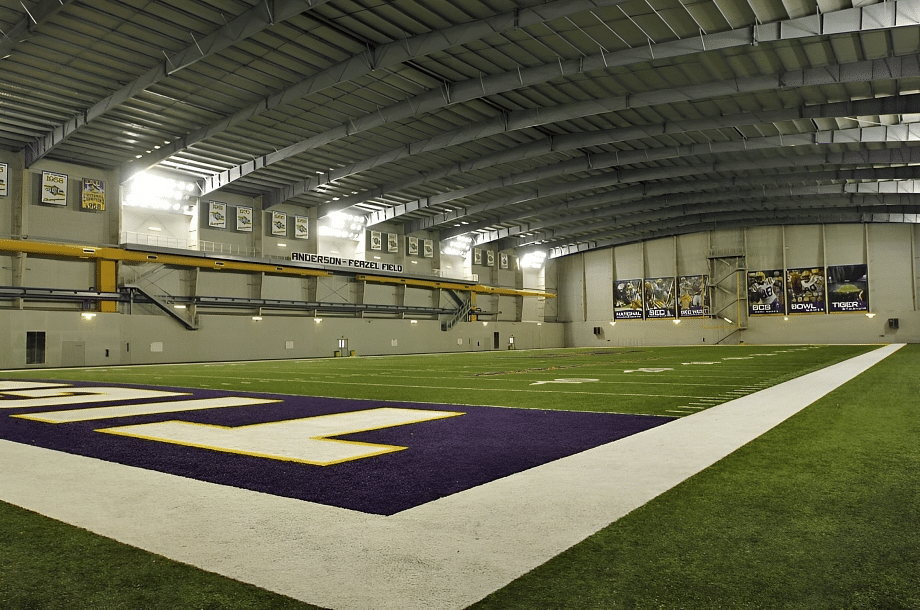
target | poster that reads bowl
[
  {"x": 660, "y": 298},
  {"x": 765, "y": 293},
  {"x": 693, "y": 296},
  {"x": 805, "y": 290},
  {"x": 848, "y": 288},
  {"x": 627, "y": 300}
]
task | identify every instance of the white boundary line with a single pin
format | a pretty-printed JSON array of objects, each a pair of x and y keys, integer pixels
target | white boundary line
[{"x": 444, "y": 554}]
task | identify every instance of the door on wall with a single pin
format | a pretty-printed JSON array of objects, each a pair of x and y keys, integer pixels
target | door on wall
[
  {"x": 73, "y": 353},
  {"x": 495, "y": 340}
]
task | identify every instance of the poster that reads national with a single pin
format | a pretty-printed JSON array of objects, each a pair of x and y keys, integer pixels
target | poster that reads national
[
  {"x": 627, "y": 297},
  {"x": 693, "y": 296},
  {"x": 660, "y": 298},
  {"x": 805, "y": 290},
  {"x": 766, "y": 293},
  {"x": 847, "y": 288}
]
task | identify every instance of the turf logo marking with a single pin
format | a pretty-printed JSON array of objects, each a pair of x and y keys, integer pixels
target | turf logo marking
[
  {"x": 52, "y": 397},
  {"x": 564, "y": 381},
  {"x": 304, "y": 440},
  {"x": 649, "y": 370}
]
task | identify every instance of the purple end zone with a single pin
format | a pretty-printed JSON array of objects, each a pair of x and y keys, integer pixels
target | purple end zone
[{"x": 443, "y": 457}]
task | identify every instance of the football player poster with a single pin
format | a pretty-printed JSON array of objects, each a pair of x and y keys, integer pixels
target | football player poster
[
  {"x": 627, "y": 300},
  {"x": 766, "y": 293},
  {"x": 848, "y": 288},
  {"x": 805, "y": 290},
  {"x": 660, "y": 298},
  {"x": 693, "y": 296}
]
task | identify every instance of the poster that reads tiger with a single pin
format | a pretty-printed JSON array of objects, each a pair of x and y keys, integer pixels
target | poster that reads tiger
[
  {"x": 627, "y": 295},
  {"x": 805, "y": 290},
  {"x": 766, "y": 294},
  {"x": 847, "y": 288}
]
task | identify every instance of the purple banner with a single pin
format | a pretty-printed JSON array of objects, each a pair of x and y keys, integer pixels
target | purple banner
[
  {"x": 627, "y": 296},
  {"x": 805, "y": 290},
  {"x": 848, "y": 288},
  {"x": 765, "y": 292},
  {"x": 694, "y": 296}
]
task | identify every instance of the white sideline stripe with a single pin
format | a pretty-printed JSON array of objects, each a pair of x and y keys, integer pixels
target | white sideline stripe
[{"x": 446, "y": 554}]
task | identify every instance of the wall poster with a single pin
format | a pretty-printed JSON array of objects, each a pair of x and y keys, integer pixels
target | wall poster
[
  {"x": 376, "y": 241},
  {"x": 503, "y": 260},
  {"x": 217, "y": 214},
  {"x": 428, "y": 248},
  {"x": 54, "y": 188},
  {"x": 766, "y": 293},
  {"x": 627, "y": 300},
  {"x": 847, "y": 288},
  {"x": 412, "y": 246},
  {"x": 244, "y": 219},
  {"x": 4, "y": 179},
  {"x": 660, "y": 298},
  {"x": 279, "y": 223},
  {"x": 477, "y": 256},
  {"x": 490, "y": 258},
  {"x": 693, "y": 296},
  {"x": 301, "y": 227},
  {"x": 92, "y": 196},
  {"x": 392, "y": 242},
  {"x": 805, "y": 290}
]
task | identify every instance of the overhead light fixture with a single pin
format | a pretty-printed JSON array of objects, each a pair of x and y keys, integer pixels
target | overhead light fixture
[
  {"x": 282, "y": 245},
  {"x": 154, "y": 229},
  {"x": 413, "y": 321},
  {"x": 727, "y": 320},
  {"x": 178, "y": 306}
]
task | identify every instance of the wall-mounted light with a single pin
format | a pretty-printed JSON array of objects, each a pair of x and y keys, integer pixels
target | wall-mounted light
[
  {"x": 257, "y": 318},
  {"x": 178, "y": 306},
  {"x": 785, "y": 318},
  {"x": 317, "y": 320},
  {"x": 154, "y": 229},
  {"x": 870, "y": 315},
  {"x": 613, "y": 323},
  {"x": 282, "y": 245},
  {"x": 413, "y": 321},
  {"x": 485, "y": 323},
  {"x": 727, "y": 320},
  {"x": 87, "y": 316},
  {"x": 677, "y": 321}
]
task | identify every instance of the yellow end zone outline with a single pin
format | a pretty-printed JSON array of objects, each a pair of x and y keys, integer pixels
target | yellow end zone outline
[{"x": 383, "y": 449}]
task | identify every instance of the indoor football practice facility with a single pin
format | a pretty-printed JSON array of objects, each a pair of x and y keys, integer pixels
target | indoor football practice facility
[{"x": 493, "y": 304}]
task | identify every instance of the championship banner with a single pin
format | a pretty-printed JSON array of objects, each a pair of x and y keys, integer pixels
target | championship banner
[
  {"x": 301, "y": 227},
  {"x": 477, "y": 256},
  {"x": 627, "y": 300},
  {"x": 847, "y": 288},
  {"x": 93, "y": 195},
  {"x": 693, "y": 296},
  {"x": 766, "y": 293},
  {"x": 428, "y": 248},
  {"x": 412, "y": 246},
  {"x": 490, "y": 258},
  {"x": 376, "y": 242},
  {"x": 392, "y": 242},
  {"x": 54, "y": 188},
  {"x": 217, "y": 214},
  {"x": 660, "y": 298},
  {"x": 805, "y": 290},
  {"x": 244, "y": 219},
  {"x": 4, "y": 181},
  {"x": 279, "y": 223}
]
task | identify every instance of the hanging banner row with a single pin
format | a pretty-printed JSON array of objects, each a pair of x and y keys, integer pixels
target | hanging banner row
[
  {"x": 660, "y": 298},
  {"x": 841, "y": 288}
]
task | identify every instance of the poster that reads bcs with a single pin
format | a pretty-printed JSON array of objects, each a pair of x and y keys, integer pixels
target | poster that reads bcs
[
  {"x": 766, "y": 293},
  {"x": 660, "y": 298},
  {"x": 805, "y": 290},
  {"x": 848, "y": 288},
  {"x": 627, "y": 300}
]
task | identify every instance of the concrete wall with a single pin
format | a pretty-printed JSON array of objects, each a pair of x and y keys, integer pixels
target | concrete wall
[{"x": 891, "y": 251}]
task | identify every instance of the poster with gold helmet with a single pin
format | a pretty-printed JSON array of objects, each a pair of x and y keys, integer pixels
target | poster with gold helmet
[
  {"x": 766, "y": 292},
  {"x": 660, "y": 298},
  {"x": 805, "y": 290},
  {"x": 693, "y": 296},
  {"x": 627, "y": 297}
]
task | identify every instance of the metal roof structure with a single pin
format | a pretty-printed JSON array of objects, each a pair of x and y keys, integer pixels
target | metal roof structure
[{"x": 567, "y": 124}]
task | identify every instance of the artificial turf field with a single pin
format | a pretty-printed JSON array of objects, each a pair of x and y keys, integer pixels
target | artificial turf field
[{"x": 821, "y": 512}]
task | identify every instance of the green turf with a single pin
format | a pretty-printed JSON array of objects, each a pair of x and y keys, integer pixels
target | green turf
[
  {"x": 821, "y": 512},
  {"x": 670, "y": 381}
]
